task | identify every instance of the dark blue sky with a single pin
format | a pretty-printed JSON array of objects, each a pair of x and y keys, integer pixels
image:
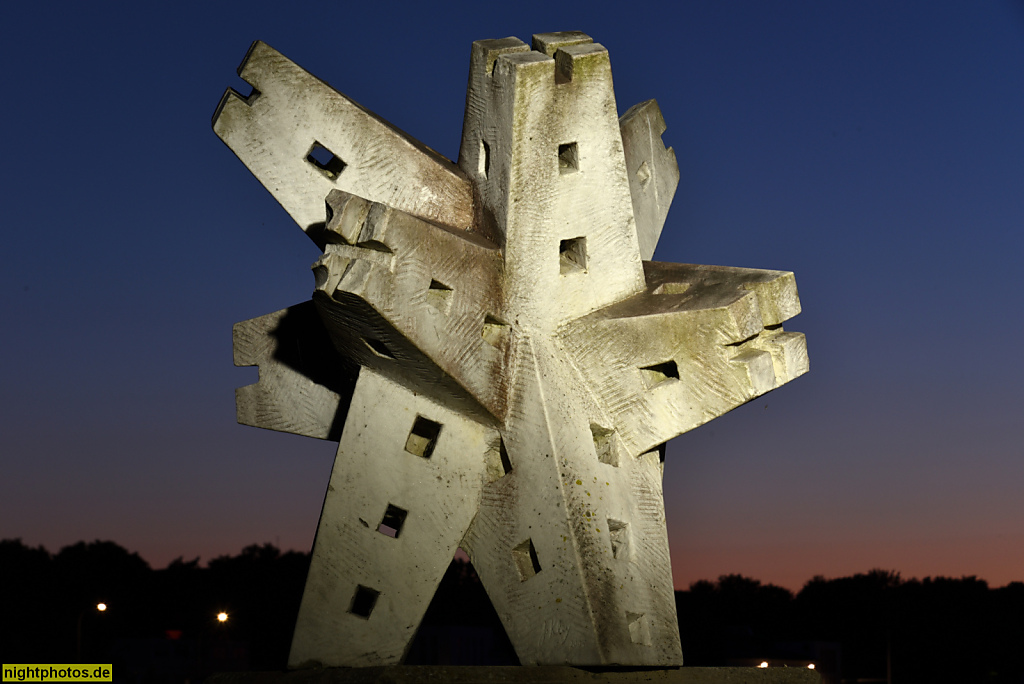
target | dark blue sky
[{"x": 876, "y": 149}]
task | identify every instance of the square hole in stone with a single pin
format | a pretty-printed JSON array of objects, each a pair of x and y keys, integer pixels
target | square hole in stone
[
  {"x": 568, "y": 158},
  {"x": 485, "y": 159},
  {"x": 643, "y": 174},
  {"x": 639, "y": 628},
  {"x": 619, "y": 533},
  {"x": 439, "y": 296},
  {"x": 525, "y": 557},
  {"x": 496, "y": 459},
  {"x": 506, "y": 464},
  {"x": 326, "y": 162},
  {"x": 363, "y": 601},
  {"x": 495, "y": 332},
  {"x": 394, "y": 518},
  {"x": 572, "y": 255},
  {"x": 423, "y": 437},
  {"x": 378, "y": 347},
  {"x": 659, "y": 373},
  {"x": 604, "y": 444}
]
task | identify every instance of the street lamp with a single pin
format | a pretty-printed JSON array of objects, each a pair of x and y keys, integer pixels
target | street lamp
[
  {"x": 222, "y": 617},
  {"x": 100, "y": 608}
]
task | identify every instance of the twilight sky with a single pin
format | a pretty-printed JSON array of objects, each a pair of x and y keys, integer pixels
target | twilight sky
[{"x": 874, "y": 148}]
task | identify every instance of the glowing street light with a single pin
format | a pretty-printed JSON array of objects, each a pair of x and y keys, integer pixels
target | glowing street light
[
  {"x": 811, "y": 666},
  {"x": 100, "y": 607},
  {"x": 764, "y": 663},
  {"x": 222, "y": 617}
]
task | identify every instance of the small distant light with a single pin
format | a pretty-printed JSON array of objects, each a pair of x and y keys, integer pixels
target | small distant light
[
  {"x": 101, "y": 607},
  {"x": 811, "y": 666},
  {"x": 764, "y": 663},
  {"x": 222, "y": 617}
]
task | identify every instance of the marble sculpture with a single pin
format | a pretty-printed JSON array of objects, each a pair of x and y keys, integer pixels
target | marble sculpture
[{"x": 495, "y": 352}]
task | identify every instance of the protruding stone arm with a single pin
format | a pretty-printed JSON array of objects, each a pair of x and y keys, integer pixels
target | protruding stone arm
[
  {"x": 653, "y": 172},
  {"x": 700, "y": 342},
  {"x": 304, "y": 386},
  {"x": 301, "y": 139},
  {"x": 420, "y": 303}
]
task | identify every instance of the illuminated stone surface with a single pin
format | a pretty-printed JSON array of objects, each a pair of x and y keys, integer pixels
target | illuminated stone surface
[{"x": 500, "y": 361}]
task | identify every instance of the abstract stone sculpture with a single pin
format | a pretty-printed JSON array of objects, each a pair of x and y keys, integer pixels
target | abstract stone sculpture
[{"x": 499, "y": 359}]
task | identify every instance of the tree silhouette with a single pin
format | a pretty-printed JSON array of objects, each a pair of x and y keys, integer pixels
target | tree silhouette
[{"x": 929, "y": 631}]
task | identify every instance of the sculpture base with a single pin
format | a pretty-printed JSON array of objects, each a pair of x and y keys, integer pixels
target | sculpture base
[{"x": 466, "y": 674}]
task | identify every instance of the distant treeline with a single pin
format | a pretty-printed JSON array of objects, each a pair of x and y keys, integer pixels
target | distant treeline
[
  {"x": 933, "y": 630},
  {"x": 927, "y": 631}
]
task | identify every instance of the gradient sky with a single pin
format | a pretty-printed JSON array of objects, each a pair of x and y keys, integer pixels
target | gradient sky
[{"x": 874, "y": 148}]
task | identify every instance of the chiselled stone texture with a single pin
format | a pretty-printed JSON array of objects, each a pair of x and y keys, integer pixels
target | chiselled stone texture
[{"x": 500, "y": 360}]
